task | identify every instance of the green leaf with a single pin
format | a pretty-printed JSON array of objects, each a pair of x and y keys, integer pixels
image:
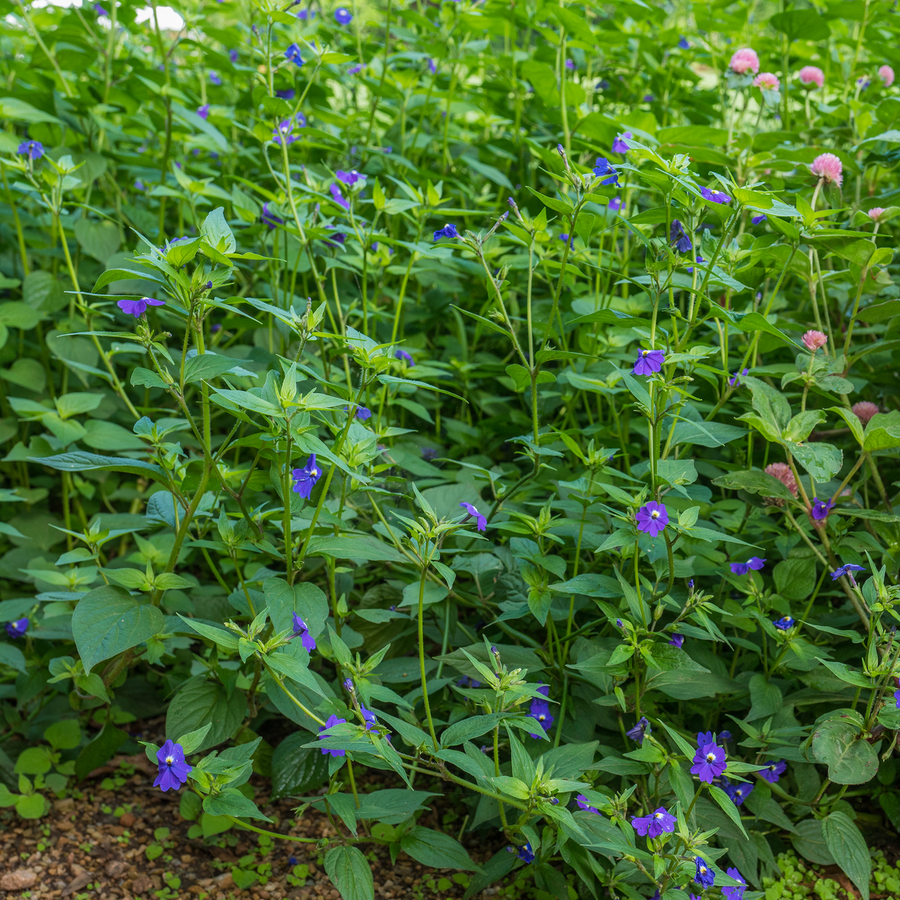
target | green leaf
[
  {"x": 795, "y": 578},
  {"x": 231, "y": 802},
  {"x": 12, "y": 656},
  {"x": 20, "y": 111},
  {"x": 809, "y": 842},
  {"x": 754, "y": 482},
  {"x": 208, "y": 365},
  {"x": 766, "y": 698},
  {"x": 80, "y": 461},
  {"x": 432, "y": 848},
  {"x": 216, "y": 233},
  {"x": 822, "y": 461},
  {"x": 98, "y": 239},
  {"x": 350, "y": 873},
  {"x": 64, "y": 734},
  {"x": 31, "y": 806},
  {"x": 850, "y": 758},
  {"x": 200, "y": 702},
  {"x": 806, "y": 24},
  {"x": 101, "y": 749},
  {"x": 297, "y": 770},
  {"x": 107, "y": 621},
  {"x": 354, "y": 546},
  {"x": 883, "y": 432},
  {"x": 726, "y": 804},
  {"x": 469, "y": 728}
]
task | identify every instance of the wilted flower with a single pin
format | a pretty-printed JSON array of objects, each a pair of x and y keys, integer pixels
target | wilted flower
[
  {"x": 847, "y": 569},
  {"x": 677, "y": 640},
  {"x": 755, "y": 220},
  {"x": 137, "y": 308},
  {"x": 540, "y": 709},
  {"x": 648, "y": 362},
  {"x": 448, "y": 231},
  {"x": 343, "y": 16},
  {"x": 785, "y": 623},
  {"x": 767, "y": 81},
  {"x": 715, "y": 196},
  {"x": 773, "y": 771},
  {"x": 302, "y": 632},
  {"x": 292, "y": 54},
  {"x": 619, "y": 145},
  {"x": 402, "y": 354},
  {"x": 639, "y": 731},
  {"x": 724, "y": 736},
  {"x": 655, "y": 824},
  {"x": 305, "y": 479},
  {"x": 744, "y": 60},
  {"x": 828, "y": 167},
  {"x": 864, "y": 410},
  {"x": 679, "y": 238},
  {"x": 652, "y": 518},
  {"x": 17, "y": 629},
  {"x": 32, "y": 149},
  {"x": 709, "y": 762},
  {"x": 173, "y": 770},
  {"x": 812, "y": 75},
  {"x": 754, "y": 563},
  {"x": 886, "y": 74},
  {"x": 821, "y": 508},
  {"x": 480, "y": 520},
  {"x": 813, "y": 340},
  {"x": 330, "y": 722}
]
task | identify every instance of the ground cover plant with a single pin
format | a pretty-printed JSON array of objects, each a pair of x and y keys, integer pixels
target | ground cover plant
[{"x": 501, "y": 397}]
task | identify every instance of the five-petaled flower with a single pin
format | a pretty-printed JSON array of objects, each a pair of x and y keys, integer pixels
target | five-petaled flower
[
  {"x": 704, "y": 876},
  {"x": 583, "y": 803},
  {"x": 734, "y": 893},
  {"x": 773, "y": 771},
  {"x": 343, "y": 16},
  {"x": 754, "y": 563},
  {"x": 847, "y": 569},
  {"x": 714, "y": 196},
  {"x": 173, "y": 770},
  {"x": 639, "y": 731},
  {"x": 17, "y": 628},
  {"x": 738, "y": 792},
  {"x": 203, "y": 111},
  {"x": 619, "y": 145},
  {"x": 709, "y": 762},
  {"x": 648, "y": 362},
  {"x": 785, "y": 623},
  {"x": 480, "y": 520},
  {"x": 652, "y": 518},
  {"x": 330, "y": 722},
  {"x": 655, "y": 824},
  {"x": 349, "y": 177},
  {"x": 605, "y": 171},
  {"x": 363, "y": 413},
  {"x": 137, "y": 308},
  {"x": 821, "y": 508},
  {"x": 301, "y": 631},
  {"x": 896, "y": 694},
  {"x": 683, "y": 43},
  {"x": 32, "y": 149},
  {"x": 305, "y": 479},
  {"x": 292, "y": 54},
  {"x": 678, "y": 237},
  {"x": 525, "y": 853},
  {"x": 448, "y": 231},
  {"x": 540, "y": 709}
]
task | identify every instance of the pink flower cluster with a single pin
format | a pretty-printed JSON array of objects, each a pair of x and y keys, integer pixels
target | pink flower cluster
[
  {"x": 875, "y": 213},
  {"x": 886, "y": 74},
  {"x": 828, "y": 167},
  {"x": 812, "y": 75},
  {"x": 813, "y": 340},
  {"x": 743, "y": 61},
  {"x": 767, "y": 81}
]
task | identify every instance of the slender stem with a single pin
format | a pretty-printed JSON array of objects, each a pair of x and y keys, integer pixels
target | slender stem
[{"x": 421, "y": 616}]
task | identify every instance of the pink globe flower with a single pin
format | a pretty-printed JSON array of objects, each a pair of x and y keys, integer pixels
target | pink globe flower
[
  {"x": 876, "y": 212},
  {"x": 864, "y": 410},
  {"x": 745, "y": 60},
  {"x": 812, "y": 75},
  {"x": 886, "y": 74},
  {"x": 828, "y": 167},
  {"x": 782, "y": 471},
  {"x": 813, "y": 340},
  {"x": 767, "y": 81}
]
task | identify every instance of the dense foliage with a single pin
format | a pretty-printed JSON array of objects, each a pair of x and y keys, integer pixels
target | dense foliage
[{"x": 501, "y": 396}]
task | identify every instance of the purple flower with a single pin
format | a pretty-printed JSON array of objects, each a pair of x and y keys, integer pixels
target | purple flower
[
  {"x": 709, "y": 762},
  {"x": 369, "y": 717},
  {"x": 468, "y": 682},
  {"x": 714, "y": 196},
  {"x": 604, "y": 171},
  {"x": 847, "y": 569},
  {"x": 355, "y": 70},
  {"x": 348, "y": 685},
  {"x": 757, "y": 219},
  {"x": 619, "y": 145},
  {"x": 305, "y": 479},
  {"x": 448, "y": 231},
  {"x": 734, "y": 893},
  {"x": 330, "y": 722},
  {"x": 699, "y": 259},
  {"x": 349, "y": 177},
  {"x": 785, "y": 623},
  {"x": 570, "y": 65},
  {"x": 17, "y": 629},
  {"x": 704, "y": 876},
  {"x": 754, "y": 563},
  {"x": 137, "y": 308},
  {"x": 480, "y": 520},
  {"x": 429, "y": 453},
  {"x": 677, "y": 640},
  {"x": 615, "y": 204},
  {"x": 524, "y": 853},
  {"x": 705, "y": 737},
  {"x": 234, "y": 56},
  {"x": 564, "y": 237},
  {"x": 31, "y": 149},
  {"x": 337, "y": 238},
  {"x": 773, "y": 771},
  {"x": 214, "y": 79},
  {"x": 342, "y": 16},
  {"x": 648, "y": 98},
  {"x": 540, "y": 709},
  {"x": 738, "y": 792},
  {"x": 292, "y": 54},
  {"x": 679, "y": 238},
  {"x": 173, "y": 770},
  {"x": 302, "y": 632},
  {"x": 203, "y": 111},
  {"x": 338, "y": 196},
  {"x": 98, "y": 8},
  {"x": 896, "y": 693},
  {"x": 402, "y": 354},
  {"x": 363, "y": 413},
  {"x": 582, "y": 802},
  {"x": 270, "y": 218},
  {"x": 725, "y": 736},
  {"x": 639, "y": 731},
  {"x": 287, "y": 94},
  {"x": 652, "y": 518},
  {"x": 648, "y": 362},
  {"x": 735, "y": 380},
  {"x": 655, "y": 824},
  {"x": 432, "y": 66},
  {"x": 216, "y": 328},
  {"x": 139, "y": 185},
  {"x": 683, "y": 43},
  {"x": 821, "y": 508}
]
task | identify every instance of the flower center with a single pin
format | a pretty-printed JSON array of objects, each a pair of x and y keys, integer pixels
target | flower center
[
  {"x": 710, "y": 757},
  {"x": 658, "y": 815},
  {"x": 654, "y": 514},
  {"x": 170, "y": 760}
]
